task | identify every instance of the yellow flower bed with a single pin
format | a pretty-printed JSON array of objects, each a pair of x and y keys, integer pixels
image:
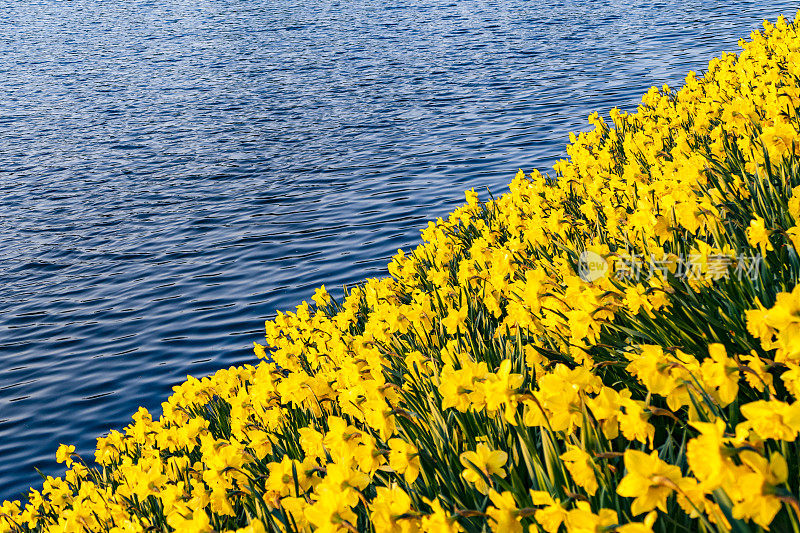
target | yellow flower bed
[{"x": 616, "y": 348}]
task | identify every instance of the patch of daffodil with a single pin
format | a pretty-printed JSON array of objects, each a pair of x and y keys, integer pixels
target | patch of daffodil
[{"x": 488, "y": 385}]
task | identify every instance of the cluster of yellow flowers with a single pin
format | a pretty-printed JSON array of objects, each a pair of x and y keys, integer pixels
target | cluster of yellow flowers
[{"x": 487, "y": 384}]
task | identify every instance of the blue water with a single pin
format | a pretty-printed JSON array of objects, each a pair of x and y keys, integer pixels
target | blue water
[{"x": 173, "y": 172}]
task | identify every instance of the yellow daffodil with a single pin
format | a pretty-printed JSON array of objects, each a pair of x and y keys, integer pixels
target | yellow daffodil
[
  {"x": 649, "y": 480},
  {"x": 482, "y": 464}
]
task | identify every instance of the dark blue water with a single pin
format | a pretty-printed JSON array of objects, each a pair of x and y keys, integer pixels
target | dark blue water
[{"x": 172, "y": 172}]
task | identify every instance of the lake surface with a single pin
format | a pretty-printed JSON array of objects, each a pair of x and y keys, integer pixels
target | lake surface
[{"x": 175, "y": 171}]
